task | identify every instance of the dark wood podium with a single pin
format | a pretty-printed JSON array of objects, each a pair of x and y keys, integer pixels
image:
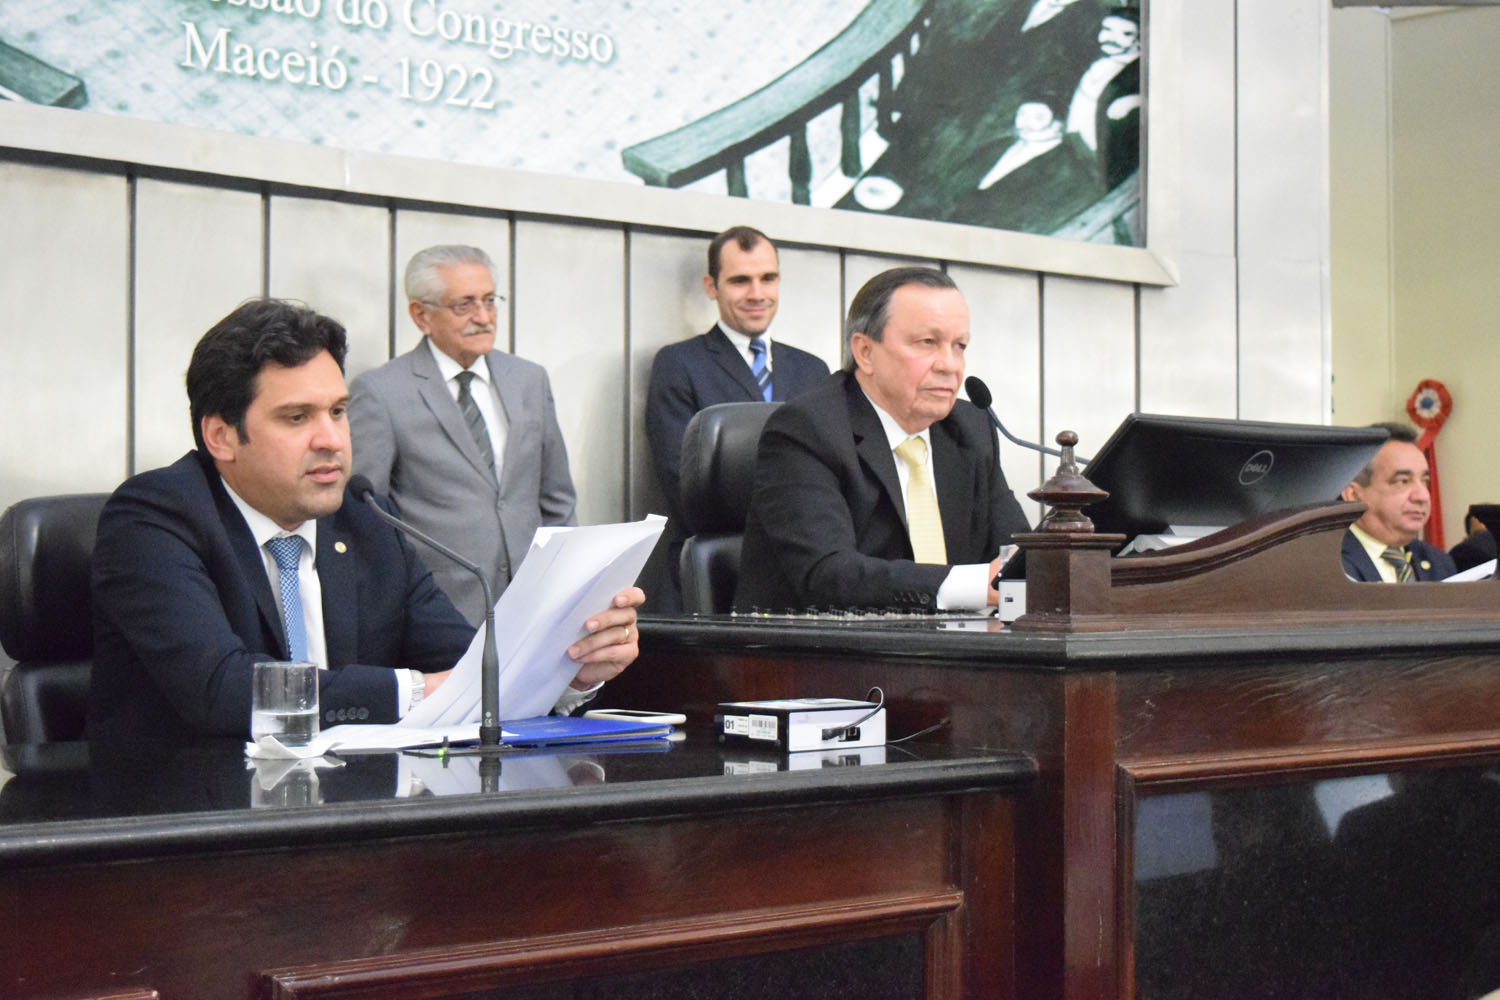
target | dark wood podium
[
  {"x": 636, "y": 871},
  {"x": 1174, "y": 703}
]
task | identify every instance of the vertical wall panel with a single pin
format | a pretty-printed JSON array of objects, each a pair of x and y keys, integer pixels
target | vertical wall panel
[
  {"x": 861, "y": 267},
  {"x": 667, "y": 304},
  {"x": 1283, "y": 367},
  {"x": 1283, "y": 209},
  {"x": 1206, "y": 198},
  {"x": 1088, "y": 358},
  {"x": 336, "y": 257},
  {"x": 1005, "y": 352},
  {"x": 419, "y": 230},
  {"x": 809, "y": 315},
  {"x": 570, "y": 317},
  {"x": 1188, "y": 340},
  {"x": 64, "y": 344},
  {"x": 204, "y": 248}
]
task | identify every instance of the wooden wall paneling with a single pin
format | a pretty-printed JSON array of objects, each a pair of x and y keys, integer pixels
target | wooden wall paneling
[
  {"x": 205, "y": 248},
  {"x": 570, "y": 316},
  {"x": 1005, "y": 351},
  {"x": 1088, "y": 358},
  {"x": 417, "y": 230},
  {"x": 65, "y": 345},
  {"x": 336, "y": 257}
]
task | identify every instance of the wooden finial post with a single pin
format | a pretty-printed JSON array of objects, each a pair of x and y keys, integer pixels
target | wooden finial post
[{"x": 1067, "y": 563}]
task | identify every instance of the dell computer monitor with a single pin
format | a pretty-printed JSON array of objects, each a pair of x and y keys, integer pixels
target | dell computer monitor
[{"x": 1193, "y": 472}]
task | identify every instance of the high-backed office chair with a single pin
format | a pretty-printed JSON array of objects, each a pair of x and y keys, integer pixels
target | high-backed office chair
[
  {"x": 46, "y": 620},
  {"x": 718, "y": 473}
]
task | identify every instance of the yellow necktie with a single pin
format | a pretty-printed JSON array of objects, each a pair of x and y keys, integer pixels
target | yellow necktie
[{"x": 923, "y": 522}]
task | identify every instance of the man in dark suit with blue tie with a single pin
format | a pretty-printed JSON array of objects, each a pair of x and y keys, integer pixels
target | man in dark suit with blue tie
[
  {"x": 1382, "y": 546},
  {"x": 735, "y": 362},
  {"x": 250, "y": 548}
]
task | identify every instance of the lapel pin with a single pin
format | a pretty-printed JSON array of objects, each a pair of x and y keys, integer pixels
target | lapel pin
[
  {"x": 1425, "y": 564},
  {"x": 340, "y": 548}
]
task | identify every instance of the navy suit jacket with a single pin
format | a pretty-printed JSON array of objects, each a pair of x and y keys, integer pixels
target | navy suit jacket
[
  {"x": 183, "y": 609},
  {"x": 1427, "y": 562},
  {"x": 827, "y": 526},
  {"x": 704, "y": 371}
]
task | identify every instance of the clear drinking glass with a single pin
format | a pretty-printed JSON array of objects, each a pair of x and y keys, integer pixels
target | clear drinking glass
[{"x": 284, "y": 702}]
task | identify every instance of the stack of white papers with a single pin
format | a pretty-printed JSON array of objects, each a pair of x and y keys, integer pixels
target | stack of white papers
[{"x": 569, "y": 575}]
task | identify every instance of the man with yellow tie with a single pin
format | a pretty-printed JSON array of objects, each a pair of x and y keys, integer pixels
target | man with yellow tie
[{"x": 880, "y": 489}]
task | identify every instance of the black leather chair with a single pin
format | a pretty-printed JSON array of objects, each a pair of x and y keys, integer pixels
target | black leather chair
[
  {"x": 718, "y": 473},
  {"x": 46, "y": 620}
]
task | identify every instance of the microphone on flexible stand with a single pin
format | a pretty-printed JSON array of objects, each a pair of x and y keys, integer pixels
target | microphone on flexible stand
[
  {"x": 489, "y": 679},
  {"x": 980, "y": 396}
]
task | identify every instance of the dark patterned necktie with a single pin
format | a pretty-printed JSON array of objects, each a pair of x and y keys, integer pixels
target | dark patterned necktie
[
  {"x": 1400, "y": 561},
  {"x": 478, "y": 429}
]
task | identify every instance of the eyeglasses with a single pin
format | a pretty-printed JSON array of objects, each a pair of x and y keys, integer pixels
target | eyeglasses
[{"x": 467, "y": 306}]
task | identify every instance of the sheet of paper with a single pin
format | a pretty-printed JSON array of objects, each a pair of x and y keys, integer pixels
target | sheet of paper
[
  {"x": 1483, "y": 571},
  {"x": 568, "y": 575}
]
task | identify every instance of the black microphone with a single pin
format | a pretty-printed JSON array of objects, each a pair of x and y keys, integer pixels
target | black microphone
[
  {"x": 489, "y": 678},
  {"x": 979, "y": 395}
]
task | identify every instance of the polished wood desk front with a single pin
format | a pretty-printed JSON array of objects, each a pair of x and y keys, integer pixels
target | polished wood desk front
[
  {"x": 646, "y": 872},
  {"x": 1132, "y": 684}
]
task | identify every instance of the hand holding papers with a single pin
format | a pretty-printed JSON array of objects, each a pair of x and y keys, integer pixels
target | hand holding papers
[{"x": 568, "y": 576}]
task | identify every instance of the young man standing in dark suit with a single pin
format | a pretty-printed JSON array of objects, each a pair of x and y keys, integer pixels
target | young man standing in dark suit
[
  {"x": 880, "y": 488},
  {"x": 735, "y": 362},
  {"x": 744, "y": 279},
  {"x": 250, "y": 548},
  {"x": 1382, "y": 546}
]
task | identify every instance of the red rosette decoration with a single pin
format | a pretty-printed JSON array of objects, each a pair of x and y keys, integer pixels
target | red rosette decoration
[{"x": 1429, "y": 406}]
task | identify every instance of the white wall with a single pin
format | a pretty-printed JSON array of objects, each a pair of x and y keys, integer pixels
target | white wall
[
  {"x": 123, "y": 240},
  {"x": 1416, "y": 227}
]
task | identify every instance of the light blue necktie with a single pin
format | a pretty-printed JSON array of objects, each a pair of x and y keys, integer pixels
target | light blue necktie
[
  {"x": 758, "y": 367},
  {"x": 287, "y": 551}
]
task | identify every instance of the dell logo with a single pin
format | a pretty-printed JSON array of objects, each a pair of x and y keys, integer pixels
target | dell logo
[{"x": 1256, "y": 467}]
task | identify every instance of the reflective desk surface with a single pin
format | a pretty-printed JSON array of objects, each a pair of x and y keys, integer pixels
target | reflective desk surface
[{"x": 81, "y": 801}]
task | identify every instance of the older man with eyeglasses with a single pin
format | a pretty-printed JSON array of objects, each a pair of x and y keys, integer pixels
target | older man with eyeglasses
[{"x": 463, "y": 438}]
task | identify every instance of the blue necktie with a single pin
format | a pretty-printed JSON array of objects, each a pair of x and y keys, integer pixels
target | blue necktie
[
  {"x": 758, "y": 367},
  {"x": 287, "y": 552}
]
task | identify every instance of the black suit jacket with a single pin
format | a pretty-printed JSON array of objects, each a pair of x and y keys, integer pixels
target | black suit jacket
[
  {"x": 1427, "y": 562},
  {"x": 183, "y": 609},
  {"x": 827, "y": 527},
  {"x": 703, "y": 371}
]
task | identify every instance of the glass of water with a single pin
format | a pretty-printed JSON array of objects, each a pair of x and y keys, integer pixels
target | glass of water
[{"x": 284, "y": 702}]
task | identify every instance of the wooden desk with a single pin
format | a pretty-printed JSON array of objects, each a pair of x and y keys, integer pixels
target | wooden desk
[
  {"x": 1132, "y": 693},
  {"x": 145, "y": 873}
]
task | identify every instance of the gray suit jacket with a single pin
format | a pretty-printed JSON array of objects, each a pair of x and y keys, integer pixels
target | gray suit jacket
[{"x": 411, "y": 440}]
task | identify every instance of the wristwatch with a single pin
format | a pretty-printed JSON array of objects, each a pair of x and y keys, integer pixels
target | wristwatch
[{"x": 418, "y": 689}]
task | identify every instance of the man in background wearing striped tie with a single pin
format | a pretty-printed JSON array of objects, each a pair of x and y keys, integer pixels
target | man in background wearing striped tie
[
  {"x": 880, "y": 488},
  {"x": 1382, "y": 546}
]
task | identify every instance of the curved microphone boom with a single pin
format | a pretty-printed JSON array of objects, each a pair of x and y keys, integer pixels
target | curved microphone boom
[
  {"x": 489, "y": 676},
  {"x": 980, "y": 396}
]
